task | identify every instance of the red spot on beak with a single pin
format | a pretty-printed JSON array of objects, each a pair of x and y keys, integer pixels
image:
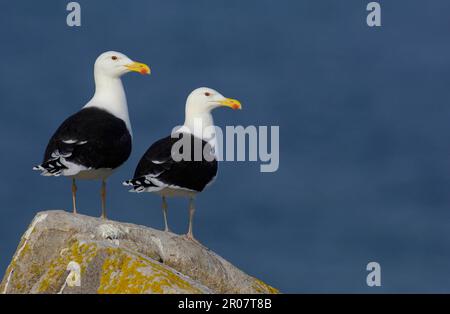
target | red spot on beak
[
  {"x": 143, "y": 71},
  {"x": 235, "y": 106}
]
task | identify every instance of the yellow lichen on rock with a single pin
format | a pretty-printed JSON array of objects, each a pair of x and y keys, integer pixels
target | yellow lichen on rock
[
  {"x": 16, "y": 276},
  {"x": 262, "y": 287},
  {"x": 81, "y": 253},
  {"x": 122, "y": 273},
  {"x": 65, "y": 253}
]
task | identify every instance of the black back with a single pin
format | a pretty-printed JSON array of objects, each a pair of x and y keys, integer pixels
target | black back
[
  {"x": 193, "y": 175},
  {"x": 108, "y": 141}
]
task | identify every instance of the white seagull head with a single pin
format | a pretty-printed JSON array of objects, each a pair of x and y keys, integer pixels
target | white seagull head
[
  {"x": 115, "y": 64},
  {"x": 204, "y": 99}
]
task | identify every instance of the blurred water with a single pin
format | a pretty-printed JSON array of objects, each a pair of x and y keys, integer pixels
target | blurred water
[{"x": 363, "y": 115}]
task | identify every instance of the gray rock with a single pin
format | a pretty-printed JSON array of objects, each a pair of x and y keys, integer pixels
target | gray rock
[{"x": 65, "y": 253}]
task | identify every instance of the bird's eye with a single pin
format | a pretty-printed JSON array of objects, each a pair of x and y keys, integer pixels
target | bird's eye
[
  {"x": 207, "y": 94},
  {"x": 114, "y": 58}
]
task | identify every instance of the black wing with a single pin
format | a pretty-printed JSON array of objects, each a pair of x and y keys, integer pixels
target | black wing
[
  {"x": 157, "y": 169},
  {"x": 92, "y": 138}
]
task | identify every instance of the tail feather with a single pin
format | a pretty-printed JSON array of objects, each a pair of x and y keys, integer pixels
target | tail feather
[
  {"x": 53, "y": 167},
  {"x": 127, "y": 183},
  {"x": 141, "y": 184}
]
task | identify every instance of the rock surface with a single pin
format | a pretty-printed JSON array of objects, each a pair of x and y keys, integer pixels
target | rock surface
[{"x": 65, "y": 253}]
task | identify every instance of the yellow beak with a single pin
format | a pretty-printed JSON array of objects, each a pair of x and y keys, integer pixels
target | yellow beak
[
  {"x": 138, "y": 67},
  {"x": 232, "y": 103}
]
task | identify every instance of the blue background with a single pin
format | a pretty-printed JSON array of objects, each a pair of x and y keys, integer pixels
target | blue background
[{"x": 363, "y": 113}]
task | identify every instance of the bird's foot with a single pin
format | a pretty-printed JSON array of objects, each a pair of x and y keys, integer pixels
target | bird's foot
[
  {"x": 190, "y": 237},
  {"x": 103, "y": 215}
]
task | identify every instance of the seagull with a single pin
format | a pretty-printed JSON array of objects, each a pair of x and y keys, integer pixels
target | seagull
[
  {"x": 161, "y": 171},
  {"x": 96, "y": 140}
]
